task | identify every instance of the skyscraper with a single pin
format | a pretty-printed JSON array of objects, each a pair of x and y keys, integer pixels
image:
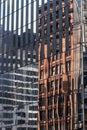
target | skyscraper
[
  {"x": 55, "y": 65},
  {"x": 62, "y": 46},
  {"x": 18, "y": 67}
]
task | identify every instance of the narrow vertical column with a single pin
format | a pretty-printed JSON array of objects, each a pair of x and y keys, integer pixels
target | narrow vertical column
[
  {"x": 39, "y": 69},
  {"x": 0, "y": 12},
  {"x": 8, "y": 17},
  {"x": 60, "y": 26},
  {"x": 7, "y": 36},
  {"x": 3, "y": 27},
  {"x": 67, "y": 25},
  {"x": 46, "y": 74},
  {"x": 32, "y": 37},
  {"x": 16, "y": 34},
  {"x": 54, "y": 27},
  {"x": 22, "y": 23},
  {"x": 48, "y": 29},
  {"x": 12, "y": 34},
  {"x": 42, "y": 33},
  {"x": 26, "y": 37},
  {"x": 17, "y": 20},
  {"x": 21, "y": 37},
  {"x": 72, "y": 85},
  {"x": 37, "y": 19},
  {"x": 65, "y": 82}
]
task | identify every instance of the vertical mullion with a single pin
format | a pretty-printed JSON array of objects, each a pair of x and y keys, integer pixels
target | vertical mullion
[
  {"x": 27, "y": 13},
  {"x": 11, "y": 53},
  {"x": 8, "y": 37},
  {"x": 12, "y": 21},
  {"x": 21, "y": 23},
  {"x": 16, "y": 41},
  {"x": 8, "y": 17},
  {"x": 60, "y": 26},
  {"x": 21, "y": 44},
  {"x": 37, "y": 19},
  {"x": 12, "y": 16},
  {"x": 48, "y": 29},
  {"x": 42, "y": 33},
  {"x": 67, "y": 24},
  {"x": 54, "y": 27},
  {"x": 31, "y": 41},
  {"x": 27, "y": 44},
  {"x": 3, "y": 16},
  {"x": 17, "y": 20},
  {"x": 0, "y": 29},
  {"x": 2, "y": 60},
  {"x": 0, "y": 12}
]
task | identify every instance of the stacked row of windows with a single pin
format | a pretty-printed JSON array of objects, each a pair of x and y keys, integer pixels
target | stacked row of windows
[
  {"x": 55, "y": 113},
  {"x": 64, "y": 29},
  {"x": 58, "y": 69},
  {"x": 54, "y": 85},
  {"x": 50, "y": 126}
]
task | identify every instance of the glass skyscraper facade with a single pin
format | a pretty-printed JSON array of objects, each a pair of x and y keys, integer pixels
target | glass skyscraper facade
[
  {"x": 18, "y": 66},
  {"x": 43, "y": 52}
]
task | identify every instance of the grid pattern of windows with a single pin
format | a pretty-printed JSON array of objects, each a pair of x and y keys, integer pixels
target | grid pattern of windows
[
  {"x": 55, "y": 43},
  {"x": 18, "y": 67},
  {"x": 17, "y": 33}
]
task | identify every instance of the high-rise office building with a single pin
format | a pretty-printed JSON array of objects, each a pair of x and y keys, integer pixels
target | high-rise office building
[
  {"x": 18, "y": 67},
  {"x": 18, "y": 99},
  {"x": 56, "y": 65},
  {"x": 61, "y": 54}
]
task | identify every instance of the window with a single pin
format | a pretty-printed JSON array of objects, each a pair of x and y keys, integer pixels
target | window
[
  {"x": 51, "y": 127},
  {"x": 57, "y": 54},
  {"x": 61, "y": 83},
  {"x": 55, "y": 113},
  {"x": 57, "y": 14},
  {"x": 56, "y": 126},
  {"x": 50, "y": 114},
  {"x": 51, "y": 5},
  {"x": 41, "y": 74},
  {"x": 51, "y": 86},
  {"x": 42, "y": 127},
  {"x": 42, "y": 102},
  {"x": 56, "y": 84},
  {"x": 51, "y": 56},
  {"x": 68, "y": 66},
  {"x": 51, "y": 28},
  {"x": 45, "y": 19},
  {"x": 41, "y": 88},
  {"x": 21, "y": 121},
  {"x": 50, "y": 100},
  {"x": 45, "y": 31},
  {"x": 61, "y": 68},
  {"x": 55, "y": 99},
  {"x": 57, "y": 69},
  {"x": 69, "y": 81},
  {"x": 52, "y": 71},
  {"x": 42, "y": 115},
  {"x": 85, "y": 6}
]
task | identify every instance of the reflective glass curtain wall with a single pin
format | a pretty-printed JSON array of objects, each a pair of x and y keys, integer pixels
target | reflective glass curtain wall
[
  {"x": 18, "y": 66},
  {"x": 17, "y": 33}
]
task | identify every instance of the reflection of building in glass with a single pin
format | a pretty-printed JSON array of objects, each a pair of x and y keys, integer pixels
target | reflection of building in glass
[
  {"x": 18, "y": 68},
  {"x": 55, "y": 65},
  {"x": 62, "y": 77},
  {"x": 18, "y": 99},
  {"x": 16, "y": 57},
  {"x": 16, "y": 19}
]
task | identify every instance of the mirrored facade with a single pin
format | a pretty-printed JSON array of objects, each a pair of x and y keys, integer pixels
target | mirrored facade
[{"x": 18, "y": 66}]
